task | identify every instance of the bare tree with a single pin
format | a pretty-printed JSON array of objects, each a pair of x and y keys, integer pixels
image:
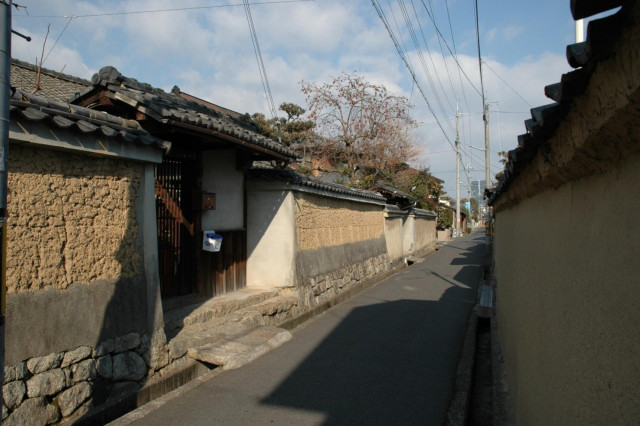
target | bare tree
[{"x": 365, "y": 127}]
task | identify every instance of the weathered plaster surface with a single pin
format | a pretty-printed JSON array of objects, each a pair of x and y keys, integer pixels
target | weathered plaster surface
[
  {"x": 71, "y": 219},
  {"x": 425, "y": 235},
  {"x": 323, "y": 221},
  {"x": 566, "y": 252},
  {"x": 393, "y": 236},
  {"x": 598, "y": 133},
  {"x": 567, "y": 298}
]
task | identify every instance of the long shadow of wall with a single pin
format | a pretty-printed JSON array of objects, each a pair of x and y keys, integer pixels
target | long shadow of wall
[{"x": 387, "y": 363}]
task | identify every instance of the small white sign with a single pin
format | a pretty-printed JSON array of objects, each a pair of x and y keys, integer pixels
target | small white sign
[{"x": 211, "y": 241}]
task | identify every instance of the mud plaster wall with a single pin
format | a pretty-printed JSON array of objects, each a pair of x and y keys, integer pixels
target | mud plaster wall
[
  {"x": 323, "y": 221},
  {"x": 425, "y": 235},
  {"x": 341, "y": 244},
  {"x": 393, "y": 236},
  {"x": 567, "y": 300},
  {"x": 71, "y": 219}
]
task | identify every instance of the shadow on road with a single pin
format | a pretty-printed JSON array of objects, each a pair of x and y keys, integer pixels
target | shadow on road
[{"x": 387, "y": 363}]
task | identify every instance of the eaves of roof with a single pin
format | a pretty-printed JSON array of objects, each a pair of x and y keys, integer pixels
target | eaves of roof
[
  {"x": 602, "y": 34},
  {"x": 80, "y": 119},
  {"x": 294, "y": 178},
  {"x": 172, "y": 109},
  {"x": 391, "y": 192}
]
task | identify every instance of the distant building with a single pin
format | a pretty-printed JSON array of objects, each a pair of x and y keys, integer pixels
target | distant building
[{"x": 477, "y": 190}]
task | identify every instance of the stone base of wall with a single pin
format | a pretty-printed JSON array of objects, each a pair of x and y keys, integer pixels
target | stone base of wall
[
  {"x": 426, "y": 250},
  {"x": 67, "y": 385},
  {"x": 314, "y": 291}
]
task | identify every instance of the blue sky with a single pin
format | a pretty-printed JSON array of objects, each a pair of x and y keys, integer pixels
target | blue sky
[{"x": 206, "y": 50}]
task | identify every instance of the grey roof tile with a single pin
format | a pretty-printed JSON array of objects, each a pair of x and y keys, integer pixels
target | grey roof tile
[
  {"x": 290, "y": 176},
  {"x": 37, "y": 108},
  {"x": 53, "y": 85},
  {"x": 172, "y": 107}
]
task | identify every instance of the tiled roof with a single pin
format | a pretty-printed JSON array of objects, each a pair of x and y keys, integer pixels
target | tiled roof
[
  {"x": 292, "y": 177},
  {"x": 53, "y": 85},
  {"x": 391, "y": 192},
  {"x": 80, "y": 119},
  {"x": 171, "y": 108},
  {"x": 584, "y": 57}
]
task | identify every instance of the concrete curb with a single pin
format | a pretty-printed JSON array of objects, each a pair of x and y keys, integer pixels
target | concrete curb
[{"x": 459, "y": 406}]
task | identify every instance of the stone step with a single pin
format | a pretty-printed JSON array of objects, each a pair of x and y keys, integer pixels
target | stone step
[
  {"x": 272, "y": 311},
  {"x": 216, "y": 307},
  {"x": 235, "y": 326},
  {"x": 235, "y": 351}
]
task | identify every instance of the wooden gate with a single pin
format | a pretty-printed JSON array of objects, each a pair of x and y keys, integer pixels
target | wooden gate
[{"x": 174, "y": 181}]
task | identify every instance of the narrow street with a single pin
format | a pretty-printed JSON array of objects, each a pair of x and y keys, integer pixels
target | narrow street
[{"x": 386, "y": 356}]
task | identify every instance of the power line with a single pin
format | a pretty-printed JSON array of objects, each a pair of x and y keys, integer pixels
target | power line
[
  {"x": 446, "y": 67},
  {"x": 449, "y": 49},
  {"x": 408, "y": 65},
  {"x": 258, "y": 53},
  {"x": 479, "y": 55},
  {"x": 435, "y": 70},
  {"x": 176, "y": 9},
  {"x": 416, "y": 44},
  {"x": 56, "y": 42},
  {"x": 455, "y": 55},
  {"x": 508, "y": 85}
]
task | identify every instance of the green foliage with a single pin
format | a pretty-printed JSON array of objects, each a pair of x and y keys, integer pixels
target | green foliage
[
  {"x": 292, "y": 131},
  {"x": 475, "y": 209},
  {"x": 445, "y": 218},
  {"x": 419, "y": 184}
]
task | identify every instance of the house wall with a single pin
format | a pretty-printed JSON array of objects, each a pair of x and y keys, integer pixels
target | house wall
[
  {"x": 271, "y": 238},
  {"x": 71, "y": 220},
  {"x": 83, "y": 308},
  {"x": 567, "y": 300},
  {"x": 394, "y": 218},
  {"x": 73, "y": 240},
  {"x": 221, "y": 176},
  {"x": 425, "y": 232}
]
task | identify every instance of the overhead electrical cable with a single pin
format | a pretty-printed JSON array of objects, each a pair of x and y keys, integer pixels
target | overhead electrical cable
[
  {"x": 444, "y": 60},
  {"x": 408, "y": 65},
  {"x": 455, "y": 56},
  {"x": 420, "y": 55},
  {"x": 475, "y": 10},
  {"x": 435, "y": 69},
  {"x": 395, "y": 21},
  {"x": 175, "y": 9},
  {"x": 508, "y": 85},
  {"x": 261, "y": 68},
  {"x": 449, "y": 49}
]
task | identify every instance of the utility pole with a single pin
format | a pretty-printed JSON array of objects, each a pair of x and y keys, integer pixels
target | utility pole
[
  {"x": 579, "y": 30},
  {"x": 5, "y": 83},
  {"x": 487, "y": 151},
  {"x": 457, "y": 170}
]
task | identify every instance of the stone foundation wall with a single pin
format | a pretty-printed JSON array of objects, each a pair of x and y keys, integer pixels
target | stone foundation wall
[
  {"x": 67, "y": 385},
  {"x": 77, "y": 305}
]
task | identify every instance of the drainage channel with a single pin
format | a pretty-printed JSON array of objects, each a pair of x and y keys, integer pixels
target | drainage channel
[{"x": 481, "y": 398}]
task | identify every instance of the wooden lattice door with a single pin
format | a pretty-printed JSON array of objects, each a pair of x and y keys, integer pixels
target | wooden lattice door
[{"x": 174, "y": 183}]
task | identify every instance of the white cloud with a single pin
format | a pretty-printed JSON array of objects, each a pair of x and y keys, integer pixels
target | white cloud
[{"x": 208, "y": 53}]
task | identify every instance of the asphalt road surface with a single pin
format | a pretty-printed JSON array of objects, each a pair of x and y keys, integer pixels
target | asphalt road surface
[{"x": 386, "y": 356}]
